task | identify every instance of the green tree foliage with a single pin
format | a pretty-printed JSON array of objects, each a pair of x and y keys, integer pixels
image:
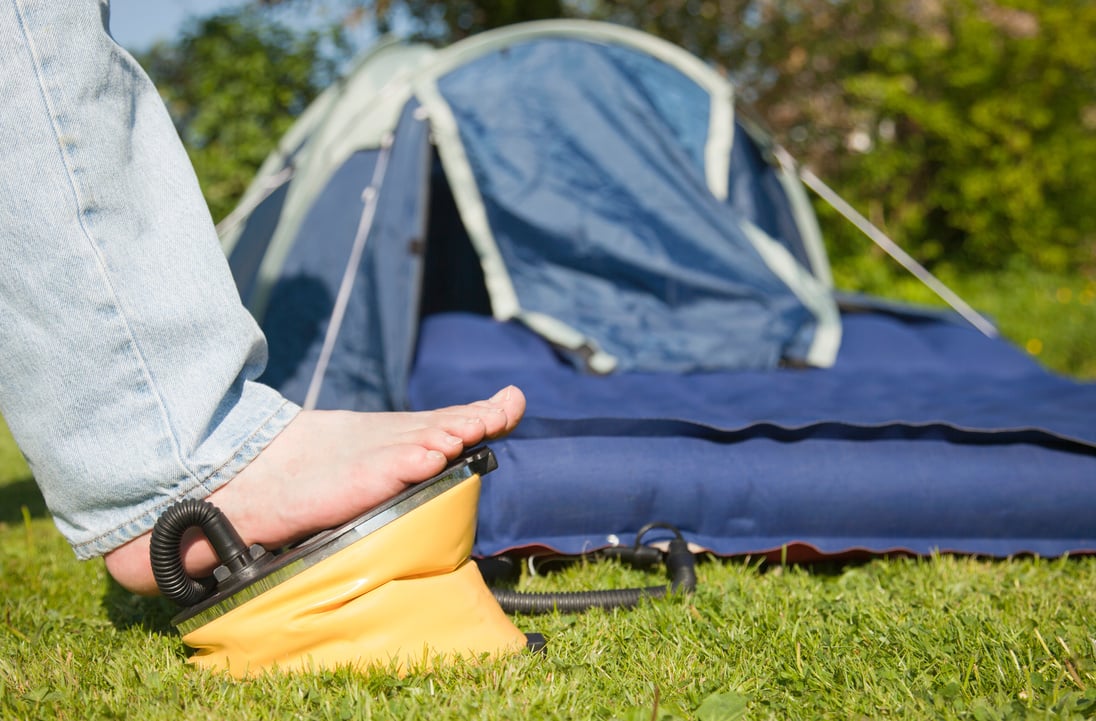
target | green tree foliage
[
  {"x": 439, "y": 20},
  {"x": 233, "y": 84},
  {"x": 976, "y": 124},
  {"x": 967, "y": 128},
  {"x": 461, "y": 18}
]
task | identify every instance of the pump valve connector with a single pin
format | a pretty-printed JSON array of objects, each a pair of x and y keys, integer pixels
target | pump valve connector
[{"x": 165, "y": 551}]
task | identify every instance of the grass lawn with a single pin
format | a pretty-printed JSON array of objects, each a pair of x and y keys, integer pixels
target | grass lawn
[{"x": 942, "y": 637}]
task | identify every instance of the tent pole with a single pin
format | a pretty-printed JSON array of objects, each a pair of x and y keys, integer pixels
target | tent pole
[
  {"x": 369, "y": 198},
  {"x": 881, "y": 239}
]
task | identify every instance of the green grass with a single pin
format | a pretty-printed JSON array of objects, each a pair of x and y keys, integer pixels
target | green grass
[{"x": 944, "y": 637}]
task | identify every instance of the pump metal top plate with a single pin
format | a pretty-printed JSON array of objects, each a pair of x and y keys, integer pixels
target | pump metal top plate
[{"x": 276, "y": 568}]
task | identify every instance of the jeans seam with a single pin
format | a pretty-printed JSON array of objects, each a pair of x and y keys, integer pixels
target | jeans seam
[
  {"x": 82, "y": 210},
  {"x": 239, "y": 450}
]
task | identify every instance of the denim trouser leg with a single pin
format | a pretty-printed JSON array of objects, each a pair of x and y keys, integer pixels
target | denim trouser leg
[{"x": 126, "y": 359}]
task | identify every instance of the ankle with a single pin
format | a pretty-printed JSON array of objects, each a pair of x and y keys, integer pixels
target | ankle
[{"x": 129, "y": 565}]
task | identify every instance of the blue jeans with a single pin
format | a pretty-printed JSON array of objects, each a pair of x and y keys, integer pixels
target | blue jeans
[{"x": 127, "y": 362}]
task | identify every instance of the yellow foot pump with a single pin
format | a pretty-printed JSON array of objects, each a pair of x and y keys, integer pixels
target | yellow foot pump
[{"x": 394, "y": 587}]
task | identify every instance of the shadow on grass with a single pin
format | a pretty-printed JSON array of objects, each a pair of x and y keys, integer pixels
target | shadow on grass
[
  {"x": 15, "y": 495},
  {"x": 127, "y": 610}
]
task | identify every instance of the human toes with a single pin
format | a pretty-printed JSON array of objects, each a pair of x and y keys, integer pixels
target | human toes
[
  {"x": 503, "y": 411},
  {"x": 405, "y": 464},
  {"x": 438, "y": 439},
  {"x": 477, "y": 421}
]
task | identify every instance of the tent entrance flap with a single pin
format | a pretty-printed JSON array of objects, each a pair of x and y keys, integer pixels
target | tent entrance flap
[{"x": 595, "y": 192}]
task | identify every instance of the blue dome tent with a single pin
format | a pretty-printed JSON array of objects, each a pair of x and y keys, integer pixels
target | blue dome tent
[{"x": 576, "y": 208}]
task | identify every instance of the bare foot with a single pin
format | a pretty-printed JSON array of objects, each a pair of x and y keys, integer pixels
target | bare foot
[{"x": 327, "y": 467}]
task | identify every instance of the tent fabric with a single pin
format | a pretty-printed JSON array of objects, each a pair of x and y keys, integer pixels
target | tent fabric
[
  {"x": 373, "y": 206},
  {"x": 596, "y": 196},
  {"x": 355, "y": 114},
  {"x": 756, "y": 191},
  {"x": 897, "y": 447}
]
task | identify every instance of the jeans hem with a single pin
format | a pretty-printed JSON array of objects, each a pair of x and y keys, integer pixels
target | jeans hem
[{"x": 251, "y": 447}]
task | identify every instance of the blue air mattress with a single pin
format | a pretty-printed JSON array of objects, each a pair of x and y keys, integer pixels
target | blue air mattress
[{"x": 925, "y": 436}]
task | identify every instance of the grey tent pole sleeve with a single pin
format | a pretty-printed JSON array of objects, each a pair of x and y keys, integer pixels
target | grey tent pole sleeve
[
  {"x": 365, "y": 224},
  {"x": 892, "y": 249},
  {"x": 243, "y": 210}
]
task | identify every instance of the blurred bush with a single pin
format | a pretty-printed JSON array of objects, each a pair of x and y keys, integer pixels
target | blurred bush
[{"x": 234, "y": 83}]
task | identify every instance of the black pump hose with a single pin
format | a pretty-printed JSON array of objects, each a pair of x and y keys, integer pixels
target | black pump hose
[
  {"x": 680, "y": 564},
  {"x": 165, "y": 549},
  {"x": 574, "y": 601}
]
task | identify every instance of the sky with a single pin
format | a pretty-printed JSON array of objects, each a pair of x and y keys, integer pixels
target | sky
[{"x": 137, "y": 24}]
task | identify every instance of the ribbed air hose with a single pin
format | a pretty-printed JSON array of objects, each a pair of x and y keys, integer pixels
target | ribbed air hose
[
  {"x": 680, "y": 565},
  {"x": 573, "y": 601},
  {"x": 166, "y": 543}
]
